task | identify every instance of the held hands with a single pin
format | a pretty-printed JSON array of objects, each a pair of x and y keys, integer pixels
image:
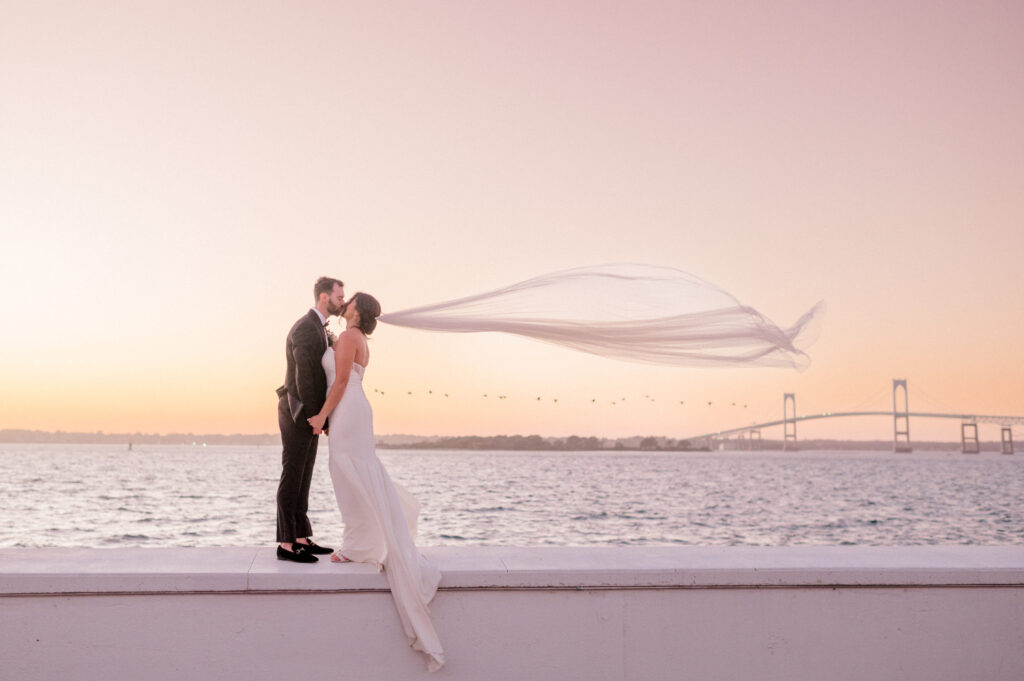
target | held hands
[{"x": 317, "y": 422}]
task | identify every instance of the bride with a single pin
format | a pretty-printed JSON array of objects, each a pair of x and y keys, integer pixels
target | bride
[{"x": 379, "y": 516}]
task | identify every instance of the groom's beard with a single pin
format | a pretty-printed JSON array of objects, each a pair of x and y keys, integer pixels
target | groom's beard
[{"x": 331, "y": 309}]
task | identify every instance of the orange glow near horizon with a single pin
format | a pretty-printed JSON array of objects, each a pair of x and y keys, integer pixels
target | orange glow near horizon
[{"x": 175, "y": 178}]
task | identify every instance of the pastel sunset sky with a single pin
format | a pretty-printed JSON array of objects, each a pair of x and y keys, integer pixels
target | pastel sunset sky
[{"x": 175, "y": 175}]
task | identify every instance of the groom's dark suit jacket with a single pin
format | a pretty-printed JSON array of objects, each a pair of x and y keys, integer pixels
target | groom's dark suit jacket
[{"x": 305, "y": 382}]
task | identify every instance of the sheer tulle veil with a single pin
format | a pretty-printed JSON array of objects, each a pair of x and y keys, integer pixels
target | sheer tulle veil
[{"x": 641, "y": 313}]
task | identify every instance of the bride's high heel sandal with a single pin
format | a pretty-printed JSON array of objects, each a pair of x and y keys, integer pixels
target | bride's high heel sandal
[{"x": 338, "y": 558}]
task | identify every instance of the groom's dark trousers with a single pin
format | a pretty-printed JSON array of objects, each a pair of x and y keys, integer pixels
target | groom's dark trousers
[{"x": 301, "y": 397}]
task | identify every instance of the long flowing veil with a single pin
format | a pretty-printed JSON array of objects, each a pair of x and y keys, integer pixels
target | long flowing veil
[{"x": 641, "y": 313}]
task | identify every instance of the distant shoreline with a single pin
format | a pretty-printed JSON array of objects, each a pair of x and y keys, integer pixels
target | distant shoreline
[{"x": 464, "y": 442}]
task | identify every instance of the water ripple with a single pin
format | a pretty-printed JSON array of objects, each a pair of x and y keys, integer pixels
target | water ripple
[{"x": 97, "y": 495}]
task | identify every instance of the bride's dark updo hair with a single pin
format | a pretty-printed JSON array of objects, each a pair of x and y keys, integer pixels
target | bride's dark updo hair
[{"x": 368, "y": 309}]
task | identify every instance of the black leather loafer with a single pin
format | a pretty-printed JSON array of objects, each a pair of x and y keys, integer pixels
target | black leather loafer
[
  {"x": 316, "y": 548},
  {"x": 299, "y": 554}
]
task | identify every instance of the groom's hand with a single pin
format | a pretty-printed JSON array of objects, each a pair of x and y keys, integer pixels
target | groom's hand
[{"x": 317, "y": 423}]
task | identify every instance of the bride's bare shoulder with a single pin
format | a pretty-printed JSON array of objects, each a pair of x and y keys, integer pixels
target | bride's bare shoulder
[
  {"x": 346, "y": 339},
  {"x": 357, "y": 339}
]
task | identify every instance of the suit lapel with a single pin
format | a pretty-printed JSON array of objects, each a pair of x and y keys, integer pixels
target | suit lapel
[{"x": 315, "y": 318}]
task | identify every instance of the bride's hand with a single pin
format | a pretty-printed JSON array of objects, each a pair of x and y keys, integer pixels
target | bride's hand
[{"x": 317, "y": 422}]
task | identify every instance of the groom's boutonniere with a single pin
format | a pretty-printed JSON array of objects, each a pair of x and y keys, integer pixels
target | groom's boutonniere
[{"x": 332, "y": 337}]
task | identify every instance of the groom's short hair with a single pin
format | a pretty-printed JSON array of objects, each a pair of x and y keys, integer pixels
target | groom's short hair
[{"x": 325, "y": 285}]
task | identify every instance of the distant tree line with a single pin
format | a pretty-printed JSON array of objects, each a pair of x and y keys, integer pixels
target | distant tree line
[
  {"x": 494, "y": 442},
  {"x": 538, "y": 443},
  {"x": 473, "y": 442},
  {"x": 99, "y": 437}
]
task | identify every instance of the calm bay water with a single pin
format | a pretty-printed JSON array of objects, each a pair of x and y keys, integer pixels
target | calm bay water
[{"x": 159, "y": 495}]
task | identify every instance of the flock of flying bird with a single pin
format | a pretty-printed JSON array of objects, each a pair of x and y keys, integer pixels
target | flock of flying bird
[{"x": 647, "y": 398}]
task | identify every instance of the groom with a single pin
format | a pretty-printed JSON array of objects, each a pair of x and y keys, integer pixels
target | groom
[{"x": 302, "y": 396}]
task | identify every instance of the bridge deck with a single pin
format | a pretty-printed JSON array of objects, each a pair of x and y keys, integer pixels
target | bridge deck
[{"x": 973, "y": 418}]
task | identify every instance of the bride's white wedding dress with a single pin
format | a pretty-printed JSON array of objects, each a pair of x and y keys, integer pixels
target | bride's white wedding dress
[{"x": 379, "y": 516}]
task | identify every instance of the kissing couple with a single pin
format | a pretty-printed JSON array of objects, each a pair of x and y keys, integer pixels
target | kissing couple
[{"x": 323, "y": 393}]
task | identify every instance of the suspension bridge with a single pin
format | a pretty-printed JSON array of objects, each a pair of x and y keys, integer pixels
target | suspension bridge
[{"x": 900, "y": 415}]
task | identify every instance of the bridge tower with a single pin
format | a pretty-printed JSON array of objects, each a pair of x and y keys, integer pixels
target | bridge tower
[
  {"x": 969, "y": 436},
  {"x": 900, "y": 417},
  {"x": 1007, "y": 447},
  {"x": 754, "y": 439},
  {"x": 788, "y": 422}
]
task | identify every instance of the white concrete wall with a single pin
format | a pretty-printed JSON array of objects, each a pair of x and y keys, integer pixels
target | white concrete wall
[{"x": 818, "y": 613}]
